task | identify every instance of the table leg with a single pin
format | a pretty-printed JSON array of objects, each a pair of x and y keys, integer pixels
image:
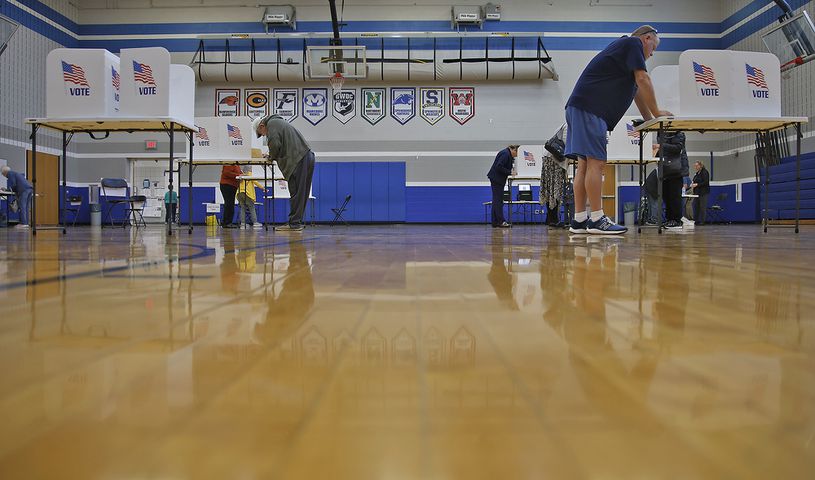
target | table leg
[
  {"x": 642, "y": 183},
  {"x": 33, "y": 210},
  {"x": 172, "y": 140},
  {"x": 797, "y": 176},
  {"x": 189, "y": 187},
  {"x": 62, "y": 198}
]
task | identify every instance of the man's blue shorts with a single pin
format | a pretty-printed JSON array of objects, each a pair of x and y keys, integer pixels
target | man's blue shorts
[{"x": 586, "y": 135}]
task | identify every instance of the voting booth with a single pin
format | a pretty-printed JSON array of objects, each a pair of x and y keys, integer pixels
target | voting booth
[
  {"x": 235, "y": 138},
  {"x": 529, "y": 161},
  {"x": 725, "y": 83},
  {"x": 82, "y": 83},
  {"x": 665, "y": 79},
  {"x": 152, "y": 87},
  {"x": 206, "y": 140},
  {"x": 624, "y": 141}
]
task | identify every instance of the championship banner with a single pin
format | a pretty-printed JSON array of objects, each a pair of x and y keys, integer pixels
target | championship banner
[
  {"x": 462, "y": 104},
  {"x": 315, "y": 104},
  {"x": 257, "y": 102},
  {"x": 403, "y": 104},
  {"x": 227, "y": 102},
  {"x": 344, "y": 105},
  {"x": 286, "y": 101},
  {"x": 431, "y": 106},
  {"x": 373, "y": 104}
]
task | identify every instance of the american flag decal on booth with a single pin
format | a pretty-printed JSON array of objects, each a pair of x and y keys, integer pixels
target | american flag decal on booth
[
  {"x": 233, "y": 132},
  {"x": 755, "y": 77},
  {"x": 74, "y": 74},
  {"x": 142, "y": 73},
  {"x": 704, "y": 75}
]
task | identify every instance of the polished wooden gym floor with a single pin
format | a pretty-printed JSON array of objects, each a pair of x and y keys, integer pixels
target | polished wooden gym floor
[{"x": 407, "y": 352}]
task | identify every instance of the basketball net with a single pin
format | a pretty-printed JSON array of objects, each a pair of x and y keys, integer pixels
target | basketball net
[{"x": 337, "y": 81}]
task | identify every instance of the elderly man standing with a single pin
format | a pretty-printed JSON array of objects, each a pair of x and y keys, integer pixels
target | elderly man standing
[
  {"x": 23, "y": 190},
  {"x": 603, "y": 93},
  {"x": 296, "y": 160}
]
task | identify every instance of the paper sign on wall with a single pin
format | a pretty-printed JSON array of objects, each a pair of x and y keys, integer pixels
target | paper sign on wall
[
  {"x": 257, "y": 102},
  {"x": 432, "y": 104},
  {"x": 462, "y": 104},
  {"x": 227, "y": 102},
  {"x": 403, "y": 104},
  {"x": 344, "y": 106},
  {"x": 315, "y": 104},
  {"x": 286, "y": 101},
  {"x": 373, "y": 104}
]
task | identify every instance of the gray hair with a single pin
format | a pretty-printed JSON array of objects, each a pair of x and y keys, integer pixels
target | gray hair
[
  {"x": 5, "y": 169},
  {"x": 644, "y": 30}
]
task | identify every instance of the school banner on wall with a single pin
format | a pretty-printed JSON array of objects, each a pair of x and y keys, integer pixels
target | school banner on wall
[
  {"x": 315, "y": 104},
  {"x": 227, "y": 102},
  {"x": 257, "y": 102},
  {"x": 373, "y": 104},
  {"x": 344, "y": 105},
  {"x": 431, "y": 104},
  {"x": 462, "y": 104},
  {"x": 403, "y": 104},
  {"x": 286, "y": 101}
]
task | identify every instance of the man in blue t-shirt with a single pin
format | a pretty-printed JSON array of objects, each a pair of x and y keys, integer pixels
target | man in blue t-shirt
[{"x": 611, "y": 81}]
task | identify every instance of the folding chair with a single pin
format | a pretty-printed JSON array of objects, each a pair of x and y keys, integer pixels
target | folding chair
[
  {"x": 72, "y": 204},
  {"x": 112, "y": 202},
  {"x": 136, "y": 209},
  {"x": 339, "y": 211},
  {"x": 716, "y": 211}
]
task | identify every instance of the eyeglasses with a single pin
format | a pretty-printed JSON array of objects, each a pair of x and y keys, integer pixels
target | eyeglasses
[{"x": 649, "y": 31}]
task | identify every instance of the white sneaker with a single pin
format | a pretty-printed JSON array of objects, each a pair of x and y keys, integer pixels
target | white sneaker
[{"x": 23, "y": 226}]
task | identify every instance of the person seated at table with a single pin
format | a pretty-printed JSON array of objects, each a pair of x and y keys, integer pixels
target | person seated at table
[
  {"x": 170, "y": 205},
  {"x": 18, "y": 184},
  {"x": 501, "y": 169},
  {"x": 246, "y": 201}
]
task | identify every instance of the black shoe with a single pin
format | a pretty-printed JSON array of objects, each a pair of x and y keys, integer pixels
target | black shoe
[
  {"x": 673, "y": 225},
  {"x": 230, "y": 225}
]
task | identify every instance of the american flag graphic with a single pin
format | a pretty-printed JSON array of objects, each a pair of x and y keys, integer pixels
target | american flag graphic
[
  {"x": 629, "y": 130},
  {"x": 202, "y": 134},
  {"x": 755, "y": 77},
  {"x": 74, "y": 74},
  {"x": 234, "y": 132},
  {"x": 528, "y": 156},
  {"x": 117, "y": 80},
  {"x": 704, "y": 75},
  {"x": 143, "y": 73}
]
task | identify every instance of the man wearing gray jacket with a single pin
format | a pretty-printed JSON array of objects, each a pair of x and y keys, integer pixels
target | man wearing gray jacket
[{"x": 294, "y": 158}]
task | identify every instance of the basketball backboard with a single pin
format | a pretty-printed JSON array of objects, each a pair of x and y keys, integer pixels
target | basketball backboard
[
  {"x": 7, "y": 29},
  {"x": 792, "y": 41},
  {"x": 322, "y": 62}
]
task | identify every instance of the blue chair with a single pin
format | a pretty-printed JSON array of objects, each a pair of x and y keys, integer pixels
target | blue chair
[
  {"x": 72, "y": 204},
  {"x": 113, "y": 201}
]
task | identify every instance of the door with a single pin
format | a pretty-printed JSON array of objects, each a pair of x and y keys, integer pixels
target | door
[
  {"x": 47, "y": 187},
  {"x": 610, "y": 191}
]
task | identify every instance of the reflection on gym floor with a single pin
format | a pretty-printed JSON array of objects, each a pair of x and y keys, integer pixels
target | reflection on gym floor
[{"x": 406, "y": 352}]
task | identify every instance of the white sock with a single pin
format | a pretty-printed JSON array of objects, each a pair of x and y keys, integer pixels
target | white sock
[
  {"x": 597, "y": 215},
  {"x": 581, "y": 217}
]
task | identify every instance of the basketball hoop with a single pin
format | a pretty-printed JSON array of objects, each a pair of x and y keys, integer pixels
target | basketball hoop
[{"x": 337, "y": 81}]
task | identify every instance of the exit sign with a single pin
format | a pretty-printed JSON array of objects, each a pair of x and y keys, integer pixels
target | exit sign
[{"x": 150, "y": 144}]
